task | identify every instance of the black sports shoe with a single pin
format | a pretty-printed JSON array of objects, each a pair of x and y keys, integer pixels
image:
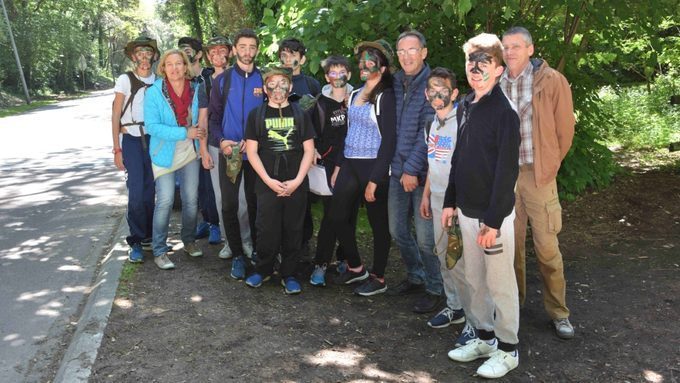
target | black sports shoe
[
  {"x": 406, "y": 287},
  {"x": 428, "y": 303},
  {"x": 350, "y": 277},
  {"x": 371, "y": 286}
]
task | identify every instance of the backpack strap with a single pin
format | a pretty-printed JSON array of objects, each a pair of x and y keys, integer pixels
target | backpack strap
[
  {"x": 226, "y": 84},
  {"x": 312, "y": 86},
  {"x": 135, "y": 85}
]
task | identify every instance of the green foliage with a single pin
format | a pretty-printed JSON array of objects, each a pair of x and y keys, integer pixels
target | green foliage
[
  {"x": 593, "y": 43},
  {"x": 641, "y": 119}
]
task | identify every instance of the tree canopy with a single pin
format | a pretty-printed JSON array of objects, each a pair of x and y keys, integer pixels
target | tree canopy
[{"x": 594, "y": 43}]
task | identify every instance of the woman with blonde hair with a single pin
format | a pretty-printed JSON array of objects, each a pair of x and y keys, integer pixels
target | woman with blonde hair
[{"x": 171, "y": 119}]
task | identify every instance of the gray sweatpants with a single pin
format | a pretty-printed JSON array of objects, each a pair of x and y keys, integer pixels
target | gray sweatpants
[
  {"x": 454, "y": 280},
  {"x": 490, "y": 275},
  {"x": 242, "y": 204}
]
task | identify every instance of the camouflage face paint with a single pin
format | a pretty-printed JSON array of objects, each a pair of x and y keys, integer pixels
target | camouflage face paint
[
  {"x": 338, "y": 79},
  {"x": 480, "y": 57},
  {"x": 289, "y": 60},
  {"x": 143, "y": 55},
  {"x": 368, "y": 65},
  {"x": 186, "y": 48},
  {"x": 277, "y": 90}
]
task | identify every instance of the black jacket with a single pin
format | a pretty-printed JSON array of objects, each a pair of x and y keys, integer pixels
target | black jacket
[{"x": 485, "y": 162}]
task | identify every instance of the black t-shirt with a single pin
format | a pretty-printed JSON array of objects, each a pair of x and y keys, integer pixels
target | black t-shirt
[
  {"x": 331, "y": 132},
  {"x": 280, "y": 143}
]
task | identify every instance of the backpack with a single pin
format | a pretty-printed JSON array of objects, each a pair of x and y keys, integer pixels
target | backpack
[
  {"x": 135, "y": 86},
  {"x": 206, "y": 73}
]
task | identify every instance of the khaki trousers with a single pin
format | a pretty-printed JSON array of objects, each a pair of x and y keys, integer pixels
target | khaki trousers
[{"x": 540, "y": 206}]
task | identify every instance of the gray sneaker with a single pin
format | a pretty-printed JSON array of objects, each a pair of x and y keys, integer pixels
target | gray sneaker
[
  {"x": 163, "y": 262},
  {"x": 563, "y": 328},
  {"x": 193, "y": 250}
]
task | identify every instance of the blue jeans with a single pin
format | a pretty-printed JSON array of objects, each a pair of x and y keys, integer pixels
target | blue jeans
[
  {"x": 165, "y": 195},
  {"x": 140, "y": 187},
  {"x": 422, "y": 266}
]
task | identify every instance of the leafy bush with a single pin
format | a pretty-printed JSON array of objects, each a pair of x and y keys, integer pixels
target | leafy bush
[{"x": 641, "y": 119}]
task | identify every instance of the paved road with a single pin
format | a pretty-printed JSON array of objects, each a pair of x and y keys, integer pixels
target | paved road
[{"x": 60, "y": 202}]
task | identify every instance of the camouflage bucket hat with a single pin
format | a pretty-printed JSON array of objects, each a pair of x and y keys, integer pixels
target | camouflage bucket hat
[
  {"x": 381, "y": 45},
  {"x": 141, "y": 41},
  {"x": 274, "y": 69},
  {"x": 234, "y": 162},
  {"x": 217, "y": 41}
]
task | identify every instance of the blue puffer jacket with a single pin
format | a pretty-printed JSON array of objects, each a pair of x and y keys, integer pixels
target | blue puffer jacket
[
  {"x": 413, "y": 112},
  {"x": 161, "y": 124}
]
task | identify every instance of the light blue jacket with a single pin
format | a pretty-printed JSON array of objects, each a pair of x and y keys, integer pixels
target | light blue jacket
[{"x": 161, "y": 124}]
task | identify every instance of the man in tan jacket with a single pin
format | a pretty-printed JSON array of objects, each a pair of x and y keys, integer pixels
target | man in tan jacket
[{"x": 544, "y": 104}]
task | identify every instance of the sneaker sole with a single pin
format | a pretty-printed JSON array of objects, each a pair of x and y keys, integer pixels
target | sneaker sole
[
  {"x": 236, "y": 277},
  {"x": 317, "y": 284},
  {"x": 224, "y": 256},
  {"x": 494, "y": 376},
  {"x": 194, "y": 255},
  {"x": 375, "y": 292},
  {"x": 289, "y": 292},
  {"x": 483, "y": 356},
  {"x": 259, "y": 284},
  {"x": 135, "y": 260},
  {"x": 447, "y": 324},
  {"x": 357, "y": 279}
]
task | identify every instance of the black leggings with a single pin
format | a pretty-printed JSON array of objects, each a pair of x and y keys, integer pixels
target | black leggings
[{"x": 347, "y": 195}]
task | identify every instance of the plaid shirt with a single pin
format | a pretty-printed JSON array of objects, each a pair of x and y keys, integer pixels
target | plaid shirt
[{"x": 519, "y": 92}]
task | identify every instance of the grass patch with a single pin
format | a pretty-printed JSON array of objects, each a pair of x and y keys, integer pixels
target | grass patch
[
  {"x": 126, "y": 277},
  {"x": 18, "y": 109}
]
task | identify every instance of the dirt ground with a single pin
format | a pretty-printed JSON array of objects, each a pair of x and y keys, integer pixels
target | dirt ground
[{"x": 621, "y": 250}]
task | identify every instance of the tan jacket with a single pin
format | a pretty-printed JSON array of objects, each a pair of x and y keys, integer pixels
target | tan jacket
[{"x": 552, "y": 122}]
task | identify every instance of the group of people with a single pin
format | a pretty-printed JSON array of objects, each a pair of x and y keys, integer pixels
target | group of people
[{"x": 240, "y": 140}]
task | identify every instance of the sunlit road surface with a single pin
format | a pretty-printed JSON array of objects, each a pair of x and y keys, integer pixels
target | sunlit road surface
[{"x": 60, "y": 200}]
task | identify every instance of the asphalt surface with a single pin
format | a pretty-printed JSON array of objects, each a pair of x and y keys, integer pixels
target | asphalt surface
[{"x": 61, "y": 201}]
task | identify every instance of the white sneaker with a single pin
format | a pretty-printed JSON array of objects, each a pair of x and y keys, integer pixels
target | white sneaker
[
  {"x": 225, "y": 253},
  {"x": 193, "y": 250},
  {"x": 475, "y": 349},
  {"x": 163, "y": 262},
  {"x": 499, "y": 364}
]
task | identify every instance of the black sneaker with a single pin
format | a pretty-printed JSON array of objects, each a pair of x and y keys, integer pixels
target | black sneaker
[
  {"x": 351, "y": 277},
  {"x": 371, "y": 286},
  {"x": 406, "y": 287},
  {"x": 428, "y": 303}
]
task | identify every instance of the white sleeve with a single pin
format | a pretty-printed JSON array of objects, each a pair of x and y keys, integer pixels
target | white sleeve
[{"x": 122, "y": 85}]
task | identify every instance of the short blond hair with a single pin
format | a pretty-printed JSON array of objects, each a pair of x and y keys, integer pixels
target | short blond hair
[
  {"x": 487, "y": 43},
  {"x": 160, "y": 70}
]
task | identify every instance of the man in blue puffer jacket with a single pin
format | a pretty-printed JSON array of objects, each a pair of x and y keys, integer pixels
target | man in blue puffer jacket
[
  {"x": 409, "y": 171},
  {"x": 234, "y": 94}
]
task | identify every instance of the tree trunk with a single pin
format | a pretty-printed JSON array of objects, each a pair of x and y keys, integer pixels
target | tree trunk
[{"x": 195, "y": 19}]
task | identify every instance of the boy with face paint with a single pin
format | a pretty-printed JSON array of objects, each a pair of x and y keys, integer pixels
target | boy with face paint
[
  {"x": 130, "y": 152},
  {"x": 481, "y": 193},
  {"x": 280, "y": 147},
  {"x": 329, "y": 118},
  {"x": 292, "y": 55},
  {"x": 234, "y": 93},
  {"x": 218, "y": 51},
  {"x": 210, "y": 227},
  {"x": 441, "y": 137}
]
